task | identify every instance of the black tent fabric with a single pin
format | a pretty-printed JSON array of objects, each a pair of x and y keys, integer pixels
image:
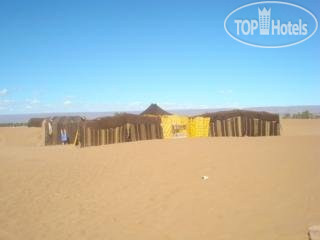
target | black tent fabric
[
  {"x": 120, "y": 128},
  {"x": 243, "y": 123},
  {"x": 222, "y": 115},
  {"x": 53, "y": 126}
]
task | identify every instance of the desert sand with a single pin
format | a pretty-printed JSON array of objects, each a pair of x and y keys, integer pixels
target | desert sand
[{"x": 264, "y": 188}]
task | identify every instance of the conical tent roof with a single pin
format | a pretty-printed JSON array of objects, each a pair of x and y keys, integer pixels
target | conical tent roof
[{"x": 154, "y": 109}]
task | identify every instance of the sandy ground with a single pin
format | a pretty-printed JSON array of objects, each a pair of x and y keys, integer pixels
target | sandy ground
[
  {"x": 295, "y": 127},
  {"x": 258, "y": 188}
]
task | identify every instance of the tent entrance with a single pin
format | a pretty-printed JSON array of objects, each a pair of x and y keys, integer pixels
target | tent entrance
[{"x": 179, "y": 131}]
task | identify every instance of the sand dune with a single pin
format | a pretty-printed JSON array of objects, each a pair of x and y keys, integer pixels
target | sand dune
[
  {"x": 20, "y": 136},
  {"x": 300, "y": 127},
  {"x": 258, "y": 188}
]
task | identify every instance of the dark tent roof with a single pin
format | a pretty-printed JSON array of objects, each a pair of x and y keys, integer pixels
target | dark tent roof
[
  {"x": 37, "y": 122},
  {"x": 67, "y": 119},
  {"x": 154, "y": 109},
  {"x": 222, "y": 115},
  {"x": 120, "y": 120}
]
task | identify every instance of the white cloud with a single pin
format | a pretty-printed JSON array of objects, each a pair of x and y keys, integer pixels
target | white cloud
[
  {"x": 32, "y": 101},
  {"x": 35, "y": 101},
  {"x": 28, "y": 107},
  {"x": 67, "y": 102},
  {"x": 3, "y": 92},
  {"x": 7, "y": 101},
  {"x": 5, "y": 104}
]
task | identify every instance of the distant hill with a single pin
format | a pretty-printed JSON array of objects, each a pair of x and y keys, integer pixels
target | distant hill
[
  {"x": 23, "y": 118},
  {"x": 315, "y": 109}
]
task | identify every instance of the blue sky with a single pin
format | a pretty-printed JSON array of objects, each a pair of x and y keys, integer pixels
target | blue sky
[{"x": 62, "y": 56}]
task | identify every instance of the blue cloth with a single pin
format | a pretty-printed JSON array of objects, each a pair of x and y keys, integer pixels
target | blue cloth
[{"x": 64, "y": 137}]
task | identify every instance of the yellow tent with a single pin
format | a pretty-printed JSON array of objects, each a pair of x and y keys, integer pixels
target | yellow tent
[
  {"x": 198, "y": 127},
  {"x": 174, "y": 126}
]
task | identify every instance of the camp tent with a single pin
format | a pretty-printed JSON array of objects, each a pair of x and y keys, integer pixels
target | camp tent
[
  {"x": 52, "y": 128},
  {"x": 243, "y": 123},
  {"x": 177, "y": 126},
  {"x": 155, "y": 110},
  {"x": 171, "y": 125},
  {"x": 198, "y": 126},
  {"x": 156, "y": 123},
  {"x": 120, "y": 128}
]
